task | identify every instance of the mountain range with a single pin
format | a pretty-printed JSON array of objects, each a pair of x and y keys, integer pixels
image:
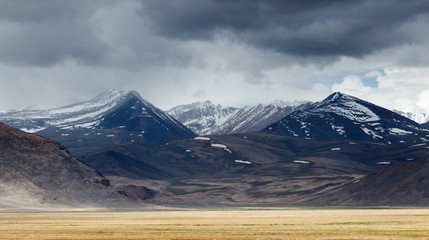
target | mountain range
[
  {"x": 339, "y": 151},
  {"x": 344, "y": 117},
  {"x": 113, "y": 117},
  {"x": 206, "y": 118}
]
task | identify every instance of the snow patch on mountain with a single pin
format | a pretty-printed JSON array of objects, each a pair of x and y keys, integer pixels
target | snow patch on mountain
[
  {"x": 242, "y": 161},
  {"x": 398, "y": 131},
  {"x": 347, "y": 106},
  {"x": 340, "y": 129},
  {"x": 202, "y": 138},
  {"x": 416, "y": 117}
]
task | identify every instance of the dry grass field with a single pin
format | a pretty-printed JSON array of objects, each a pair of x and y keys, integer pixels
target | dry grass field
[{"x": 219, "y": 224}]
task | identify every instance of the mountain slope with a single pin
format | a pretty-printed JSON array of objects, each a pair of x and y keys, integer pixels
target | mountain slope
[
  {"x": 207, "y": 118},
  {"x": 343, "y": 117},
  {"x": 251, "y": 168},
  {"x": 36, "y": 172},
  {"x": 255, "y": 118},
  {"x": 202, "y": 117},
  {"x": 83, "y": 113},
  {"x": 112, "y": 117},
  {"x": 404, "y": 184}
]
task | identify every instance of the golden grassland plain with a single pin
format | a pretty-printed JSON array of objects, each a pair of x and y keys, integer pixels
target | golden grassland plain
[{"x": 219, "y": 224}]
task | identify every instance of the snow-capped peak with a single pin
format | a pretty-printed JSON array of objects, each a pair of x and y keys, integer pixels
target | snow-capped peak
[
  {"x": 207, "y": 118},
  {"x": 106, "y": 99},
  {"x": 108, "y": 94},
  {"x": 347, "y": 106},
  {"x": 337, "y": 97},
  {"x": 85, "y": 114},
  {"x": 416, "y": 117},
  {"x": 341, "y": 116},
  {"x": 202, "y": 116},
  {"x": 282, "y": 104}
]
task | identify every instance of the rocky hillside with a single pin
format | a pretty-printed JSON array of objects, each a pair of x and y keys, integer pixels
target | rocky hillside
[
  {"x": 404, "y": 184},
  {"x": 38, "y": 173}
]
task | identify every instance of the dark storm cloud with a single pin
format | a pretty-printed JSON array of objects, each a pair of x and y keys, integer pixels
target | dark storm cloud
[
  {"x": 307, "y": 28},
  {"x": 47, "y": 32},
  {"x": 95, "y": 33}
]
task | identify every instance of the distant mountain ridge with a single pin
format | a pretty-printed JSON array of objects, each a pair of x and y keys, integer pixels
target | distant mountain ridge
[
  {"x": 206, "y": 118},
  {"x": 344, "y": 117},
  {"x": 418, "y": 118},
  {"x": 201, "y": 117},
  {"x": 73, "y": 115},
  {"x": 111, "y": 117}
]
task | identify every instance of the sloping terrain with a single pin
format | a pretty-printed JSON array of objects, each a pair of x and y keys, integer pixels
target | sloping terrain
[
  {"x": 38, "y": 173},
  {"x": 404, "y": 184},
  {"x": 343, "y": 117},
  {"x": 340, "y": 151},
  {"x": 252, "y": 168}
]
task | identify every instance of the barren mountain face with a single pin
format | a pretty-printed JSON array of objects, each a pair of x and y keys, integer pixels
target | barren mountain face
[{"x": 38, "y": 172}]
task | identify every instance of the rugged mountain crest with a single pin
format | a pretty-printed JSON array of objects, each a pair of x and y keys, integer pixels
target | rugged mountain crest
[
  {"x": 127, "y": 115},
  {"x": 207, "y": 118},
  {"x": 201, "y": 117},
  {"x": 418, "y": 118},
  {"x": 255, "y": 118},
  {"x": 344, "y": 117}
]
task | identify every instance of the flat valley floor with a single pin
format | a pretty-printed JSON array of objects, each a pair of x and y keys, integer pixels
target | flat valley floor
[{"x": 219, "y": 224}]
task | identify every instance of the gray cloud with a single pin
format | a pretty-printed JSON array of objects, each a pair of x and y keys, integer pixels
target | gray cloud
[
  {"x": 96, "y": 32},
  {"x": 109, "y": 33},
  {"x": 48, "y": 32},
  {"x": 301, "y": 28},
  {"x": 233, "y": 52}
]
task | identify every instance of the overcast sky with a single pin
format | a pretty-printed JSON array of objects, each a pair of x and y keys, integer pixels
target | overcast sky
[{"x": 232, "y": 52}]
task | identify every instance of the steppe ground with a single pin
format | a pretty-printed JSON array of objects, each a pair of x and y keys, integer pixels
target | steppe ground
[{"x": 219, "y": 224}]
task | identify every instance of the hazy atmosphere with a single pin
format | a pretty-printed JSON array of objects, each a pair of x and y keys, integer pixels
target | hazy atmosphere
[{"x": 55, "y": 52}]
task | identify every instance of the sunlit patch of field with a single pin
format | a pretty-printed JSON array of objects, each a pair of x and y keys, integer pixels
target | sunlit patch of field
[{"x": 219, "y": 224}]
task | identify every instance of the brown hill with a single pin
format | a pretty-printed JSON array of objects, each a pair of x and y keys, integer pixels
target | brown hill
[
  {"x": 404, "y": 184},
  {"x": 36, "y": 172}
]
